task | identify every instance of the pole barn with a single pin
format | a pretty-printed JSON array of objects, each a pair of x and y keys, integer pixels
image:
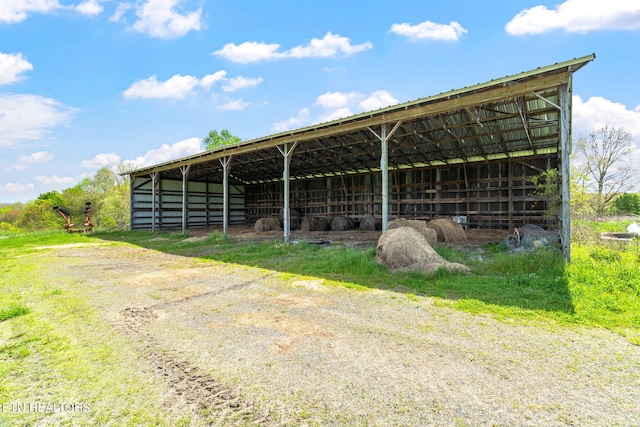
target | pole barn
[{"x": 469, "y": 154}]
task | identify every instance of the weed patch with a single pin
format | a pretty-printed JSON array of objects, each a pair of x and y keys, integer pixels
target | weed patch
[{"x": 12, "y": 311}]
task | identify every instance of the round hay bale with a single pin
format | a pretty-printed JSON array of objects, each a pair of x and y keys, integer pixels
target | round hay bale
[
  {"x": 293, "y": 213},
  {"x": 315, "y": 223},
  {"x": 266, "y": 224},
  {"x": 404, "y": 249},
  {"x": 429, "y": 234},
  {"x": 342, "y": 223},
  {"x": 370, "y": 223},
  {"x": 294, "y": 222},
  {"x": 448, "y": 230}
]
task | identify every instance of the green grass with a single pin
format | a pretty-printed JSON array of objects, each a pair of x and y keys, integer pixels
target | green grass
[
  {"x": 598, "y": 289},
  {"x": 54, "y": 346},
  {"x": 12, "y": 311}
]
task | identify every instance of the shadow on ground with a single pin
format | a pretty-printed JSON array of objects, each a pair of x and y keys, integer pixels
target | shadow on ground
[{"x": 532, "y": 281}]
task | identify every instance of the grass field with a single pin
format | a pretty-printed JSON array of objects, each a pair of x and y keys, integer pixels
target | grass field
[{"x": 53, "y": 346}]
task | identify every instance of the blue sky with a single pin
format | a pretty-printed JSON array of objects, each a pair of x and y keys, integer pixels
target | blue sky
[{"x": 91, "y": 83}]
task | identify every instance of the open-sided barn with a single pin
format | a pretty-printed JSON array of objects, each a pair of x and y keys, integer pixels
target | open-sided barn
[{"x": 468, "y": 153}]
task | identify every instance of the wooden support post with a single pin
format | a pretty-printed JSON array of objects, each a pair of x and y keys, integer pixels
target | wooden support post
[
  {"x": 154, "y": 182},
  {"x": 226, "y": 166},
  {"x": 185, "y": 196},
  {"x": 565, "y": 171},
  {"x": 286, "y": 153},
  {"x": 384, "y": 169}
]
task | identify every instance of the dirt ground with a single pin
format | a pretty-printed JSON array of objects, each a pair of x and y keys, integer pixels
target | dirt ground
[{"x": 258, "y": 347}]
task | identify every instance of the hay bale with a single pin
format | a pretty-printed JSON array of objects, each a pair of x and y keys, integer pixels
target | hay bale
[
  {"x": 266, "y": 224},
  {"x": 294, "y": 222},
  {"x": 404, "y": 249},
  {"x": 293, "y": 213},
  {"x": 370, "y": 223},
  {"x": 342, "y": 223},
  {"x": 429, "y": 234},
  {"x": 315, "y": 223},
  {"x": 448, "y": 230}
]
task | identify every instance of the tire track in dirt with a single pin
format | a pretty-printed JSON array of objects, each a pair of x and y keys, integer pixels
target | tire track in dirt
[
  {"x": 199, "y": 390},
  {"x": 215, "y": 292}
]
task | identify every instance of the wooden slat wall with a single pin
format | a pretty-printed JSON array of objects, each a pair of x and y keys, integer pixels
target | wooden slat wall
[{"x": 494, "y": 194}]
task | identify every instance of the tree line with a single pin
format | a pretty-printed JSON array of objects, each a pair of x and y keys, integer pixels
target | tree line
[
  {"x": 107, "y": 191},
  {"x": 602, "y": 180}
]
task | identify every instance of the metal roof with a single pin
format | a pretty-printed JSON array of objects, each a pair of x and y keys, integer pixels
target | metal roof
[{"x": 508, "y": 117}]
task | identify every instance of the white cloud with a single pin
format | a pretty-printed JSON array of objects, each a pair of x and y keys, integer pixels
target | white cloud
[
  {"x": 211, "y": 79},
  {"x": 163, "y": 19},
  {"x": 330, "y": 45},
  {"x": 167, "y": 152},
  {"x": 177, "y": 86},
  {"x": 336, "y": 105},
  {"x": 14, "y": 11},
  {"x": 101, "y": 160},
  {"x": 336, "y": 99},
  {"x": 577, "y": 16},
  {"x": 11, "y": 66},
  {"x": 303, "y": 117},
  {"x": 25, "y": 162},
  {"x": 235, "y": 105},
  {"x": 359, "y": 101},
  {"x": 248, "y": 52},
  {"x": 338, "y": 113},
  {"x": 14, "y": 188},
  {"x": 378, "y": 99},
  {"x": 30, "y": 117},
  {"x": 428, "y": 30},
  {"x": 121, "y": 9},
  {"x": 57, "y": 181},
  {"x": 90, "y": 8},
  {"x": 597, "y": 112},
  {"x": 240, "y": 82}
]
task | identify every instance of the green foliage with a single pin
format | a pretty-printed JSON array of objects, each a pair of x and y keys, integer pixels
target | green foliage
[
  {"x": 606, "y": 287},
  {"x": 627, "y": 203},
  {"x": 221, "y": 139},
  {"x": 68, "y": 349},
  {"x": 107, "y": 192},
  {"x": 12, "y": 311},
  {"x": 601, "y": 286},
  {"x": 548, "y": 186},
  {"x": 39, "y": 215}
]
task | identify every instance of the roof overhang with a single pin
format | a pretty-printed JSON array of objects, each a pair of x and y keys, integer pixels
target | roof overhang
[{"x": 509, "y": 117}]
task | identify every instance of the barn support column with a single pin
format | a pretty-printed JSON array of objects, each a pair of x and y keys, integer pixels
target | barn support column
[
  {"x": 384, "y": 169},
  {"x": 185, "y": 178},
  {"x": 286, "y": 153},
  {"x": 565, "y": 172},
  {"x": 564, "y": 153},
  {"x": 131, "y": 203},
  {"x": 226, "y": 166},
  {"x": 154, "y": 183}
]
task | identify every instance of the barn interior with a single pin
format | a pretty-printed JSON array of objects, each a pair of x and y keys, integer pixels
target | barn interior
[{"x": 468, "y": 154}]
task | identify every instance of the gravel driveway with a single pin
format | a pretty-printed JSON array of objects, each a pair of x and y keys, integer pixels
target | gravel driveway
[{"x": 260, "y": 347}]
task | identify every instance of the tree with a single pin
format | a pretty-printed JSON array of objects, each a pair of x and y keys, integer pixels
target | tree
[
  {"x": 627, "y": 204},
  {"x": 215, "y": 139},
  {"x": 548, "y": 186},
  {"x": 604, "y": 155}
]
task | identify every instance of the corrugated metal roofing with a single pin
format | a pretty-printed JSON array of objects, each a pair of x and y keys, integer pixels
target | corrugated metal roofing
[{"x": 508, "y": 117}]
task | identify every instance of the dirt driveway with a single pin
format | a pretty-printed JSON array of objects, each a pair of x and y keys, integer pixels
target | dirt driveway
[{"x": 259, "y": 347}]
